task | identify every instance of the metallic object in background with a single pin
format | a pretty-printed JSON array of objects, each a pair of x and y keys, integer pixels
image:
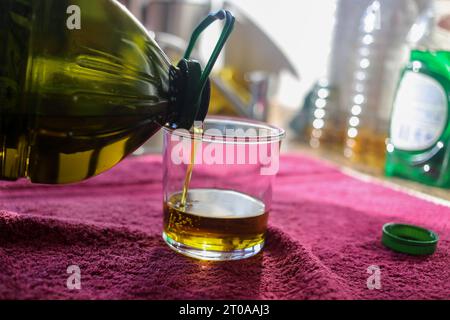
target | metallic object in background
[
  {"x": 169, "y": 20},
  {"x": 254, "y": 106},
  {"x": 257, "y": 69},
  {"x": 250, "y": 48},
  {"x": 235, "y": 98},
  {"x": 259, "y": 88}
]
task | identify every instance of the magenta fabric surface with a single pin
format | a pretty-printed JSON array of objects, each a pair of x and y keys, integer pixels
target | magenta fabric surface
[{"x": 325, "y": 231}]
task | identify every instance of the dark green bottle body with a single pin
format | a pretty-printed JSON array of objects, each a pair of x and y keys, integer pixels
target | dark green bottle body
[
  {"x": 419, "y": 143},
  {"x": 76, "y": 99}
]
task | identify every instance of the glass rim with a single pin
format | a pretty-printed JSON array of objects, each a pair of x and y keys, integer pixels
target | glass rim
[{"x": 267, "y": 133}]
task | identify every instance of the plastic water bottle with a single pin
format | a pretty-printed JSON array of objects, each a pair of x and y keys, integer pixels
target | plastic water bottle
[{"x": 376, "y": 60}]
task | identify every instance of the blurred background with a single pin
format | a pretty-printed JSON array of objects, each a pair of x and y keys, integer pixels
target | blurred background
[{"x": 327, "y": 71}]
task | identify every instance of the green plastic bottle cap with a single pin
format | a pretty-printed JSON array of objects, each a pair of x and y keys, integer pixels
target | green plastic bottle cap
[{"x": 409, "y": 239}]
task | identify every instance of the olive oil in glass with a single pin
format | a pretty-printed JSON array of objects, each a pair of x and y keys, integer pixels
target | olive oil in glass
[{"x": 217, "y": 220}]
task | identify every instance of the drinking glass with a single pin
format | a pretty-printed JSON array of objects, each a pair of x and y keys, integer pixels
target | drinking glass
[{"x": 218, "y": 187}]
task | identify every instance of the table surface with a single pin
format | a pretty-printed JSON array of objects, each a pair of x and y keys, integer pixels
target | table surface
[
  {"x": 361, "y": 171},
  {"x": 323, "y": 241}
]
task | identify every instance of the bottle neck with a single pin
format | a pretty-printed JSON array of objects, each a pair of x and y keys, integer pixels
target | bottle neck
[{"x": 188, "y": 102}]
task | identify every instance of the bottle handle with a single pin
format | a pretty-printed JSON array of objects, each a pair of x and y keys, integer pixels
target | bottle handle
[{"x": 226, "y": 31}]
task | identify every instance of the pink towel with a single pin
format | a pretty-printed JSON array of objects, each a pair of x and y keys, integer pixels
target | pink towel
[{"x": 325, "y": 230}]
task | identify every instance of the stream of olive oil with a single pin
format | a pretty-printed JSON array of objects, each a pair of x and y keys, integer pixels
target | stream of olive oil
[{"x": 197, "y": 131}]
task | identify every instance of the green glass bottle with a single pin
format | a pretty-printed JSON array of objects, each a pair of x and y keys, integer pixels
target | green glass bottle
[
  {"x": 419, "y": 143},
  {"x": 82, "y": 85}
]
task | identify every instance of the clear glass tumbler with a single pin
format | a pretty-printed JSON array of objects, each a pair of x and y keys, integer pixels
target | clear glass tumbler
[{"x": 218, "y": 187}]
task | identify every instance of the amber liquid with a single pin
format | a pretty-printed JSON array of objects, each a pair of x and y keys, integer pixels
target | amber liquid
[
  {"x": 216, "y": 220},
  {"x": 327, "y": 138},
  {"x": 198, "y": 131},
  {"x": 367, "y": 149},
  {"x": 56, "y": 154},
  {"x": 73, "y": 103}
]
